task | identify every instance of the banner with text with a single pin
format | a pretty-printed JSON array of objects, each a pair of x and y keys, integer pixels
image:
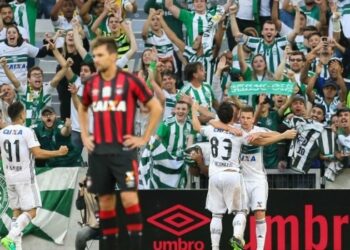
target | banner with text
[{"x": 255, "y": 88}]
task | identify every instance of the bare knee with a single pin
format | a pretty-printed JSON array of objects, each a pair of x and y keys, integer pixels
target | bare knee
[
  {"x": 259, "y": 214},
  {"x": 107, "y": 202},
  {"x": 129, "y": 198},
  {"x": 31, "y": 213}
]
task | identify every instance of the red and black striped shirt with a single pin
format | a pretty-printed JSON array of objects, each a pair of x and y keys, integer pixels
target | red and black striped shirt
[{"x": 114, "y": 105}]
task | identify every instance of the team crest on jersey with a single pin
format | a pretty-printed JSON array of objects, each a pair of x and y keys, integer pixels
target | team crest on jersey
[
  {"x": 186, "y": 132},
  {"x": 119, "y": 90},
  {"x": 4, "y": 201}
]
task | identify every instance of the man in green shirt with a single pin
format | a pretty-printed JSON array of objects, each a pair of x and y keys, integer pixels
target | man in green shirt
[
  {"x": 53, "y": 133},
  {"x": 176, "y": 132}
]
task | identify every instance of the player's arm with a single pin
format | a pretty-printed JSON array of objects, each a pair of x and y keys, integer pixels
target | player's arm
[
  {"x": 84, "y": 122},
  {"x": 267, "y": 138},
  {"x": 46, "y": 154},
  {"x": 220, "y": 125}
]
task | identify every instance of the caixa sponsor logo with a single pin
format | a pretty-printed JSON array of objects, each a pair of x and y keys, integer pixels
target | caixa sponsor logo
[{"x": 178, "y": 220}]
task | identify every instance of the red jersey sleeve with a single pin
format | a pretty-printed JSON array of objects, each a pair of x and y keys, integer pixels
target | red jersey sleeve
[{"x": 86, "y": 99}]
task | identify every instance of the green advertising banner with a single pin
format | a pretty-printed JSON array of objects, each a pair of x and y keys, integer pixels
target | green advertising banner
[{"x": 256, "y": 88}]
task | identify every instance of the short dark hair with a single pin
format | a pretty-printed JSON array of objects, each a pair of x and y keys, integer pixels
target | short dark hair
[
  {"x": 298, "y": 53},
  {"x": 225, "y": 112},
  {"x": 314, "y": 34},
  {"x": 34, "y": 68},
  {"x": 247, "y": 109},
  {"x": 169, "y": 73},
  {"x": 343, "y": 110},
  {"x": 310, "y": 28},
  {"x": 321, "y": 107},
  {"x": 182, "y": 102},
  {"x": 191, "y": 69},
  {"x": 269, "y": 22},
  {"x": 14, "y": 110},
  {"x": 91, "y": 66},
  {"x": 5, "y": 5},
  {"x": 108, "y": 41}
]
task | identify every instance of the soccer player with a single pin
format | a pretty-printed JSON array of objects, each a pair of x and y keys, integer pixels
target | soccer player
[
  {"x": 19, "y": 146},
  {"x": 224, "y": 170},
  {"x": 253, "y": 171},
  {"x": 113, "y": 94}
]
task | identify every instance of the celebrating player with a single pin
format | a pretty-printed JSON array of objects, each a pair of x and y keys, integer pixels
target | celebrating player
[{"x": 18, "y": 146}]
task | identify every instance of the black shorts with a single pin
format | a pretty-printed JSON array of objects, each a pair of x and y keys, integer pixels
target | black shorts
[{"x": 111, "y": 172}]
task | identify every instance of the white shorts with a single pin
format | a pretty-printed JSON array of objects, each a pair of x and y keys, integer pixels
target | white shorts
[
  {"x": 24, "y": 196},
  {"x": 257, "y": 191},
  {"x": 226, "y": 192}
]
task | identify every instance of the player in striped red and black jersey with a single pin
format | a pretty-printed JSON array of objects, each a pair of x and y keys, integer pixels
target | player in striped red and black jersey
[{"x": 112, "y": 94}]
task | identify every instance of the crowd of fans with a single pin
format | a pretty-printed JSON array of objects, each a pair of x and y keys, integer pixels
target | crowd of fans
[{"x": 301, "y": 42}]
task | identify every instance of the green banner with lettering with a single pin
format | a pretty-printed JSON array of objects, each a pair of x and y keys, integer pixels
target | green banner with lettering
[{"x": 255, "y": 88}]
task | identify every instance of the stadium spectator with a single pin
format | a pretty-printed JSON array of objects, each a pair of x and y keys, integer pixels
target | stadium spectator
[
  {"x": 334, "y": 91},
  {"x": 154, "y": 35},
  {"x": 36, "y": 94},
  {"x": 69, "y": 50},
  {"x": 88, "y": 205},
  {"x": 53, "y": 133},
  {"x": 269, "y": 46},
  {"x": 343, "y": 153},
  {"x": 17, "y": 52},
  {"x": 199, "y": 91},
  {"x": 7, "y": 97},
  {"x": 67, "y": 7},
  {"x": 7, "y": 19},
  {"x": 170, "y": 92}
]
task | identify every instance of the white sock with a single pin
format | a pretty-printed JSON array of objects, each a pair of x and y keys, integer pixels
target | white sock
[
  {"x": 21, "y": 222},
  {"x": 260, "y": 233},
  {"x": 215, "y": 230},
  {"x": 13, "y": 223},
  {"x": 239, "y": 225}
]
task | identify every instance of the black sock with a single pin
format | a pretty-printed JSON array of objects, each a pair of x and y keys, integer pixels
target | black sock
[
  {"x": 109, "y": 230},
  {"x": 134, "y": 226}
]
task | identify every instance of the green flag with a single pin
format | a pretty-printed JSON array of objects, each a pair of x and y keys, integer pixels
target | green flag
[
  {"x": 158, "y": 169},
  {"x": 56, "y": 189}
]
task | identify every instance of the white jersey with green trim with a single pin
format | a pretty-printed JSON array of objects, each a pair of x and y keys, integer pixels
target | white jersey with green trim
[
  {"x": 251, "y": 157},
  {"x": 273, "y": 53},
  {"x": 203, "y": 95},
  {"x": 17, "y": 58},
  {"x": 18, "y": 161},
  {"x": 225, "y": 148},
  {"x": 170, "y": 102}
]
